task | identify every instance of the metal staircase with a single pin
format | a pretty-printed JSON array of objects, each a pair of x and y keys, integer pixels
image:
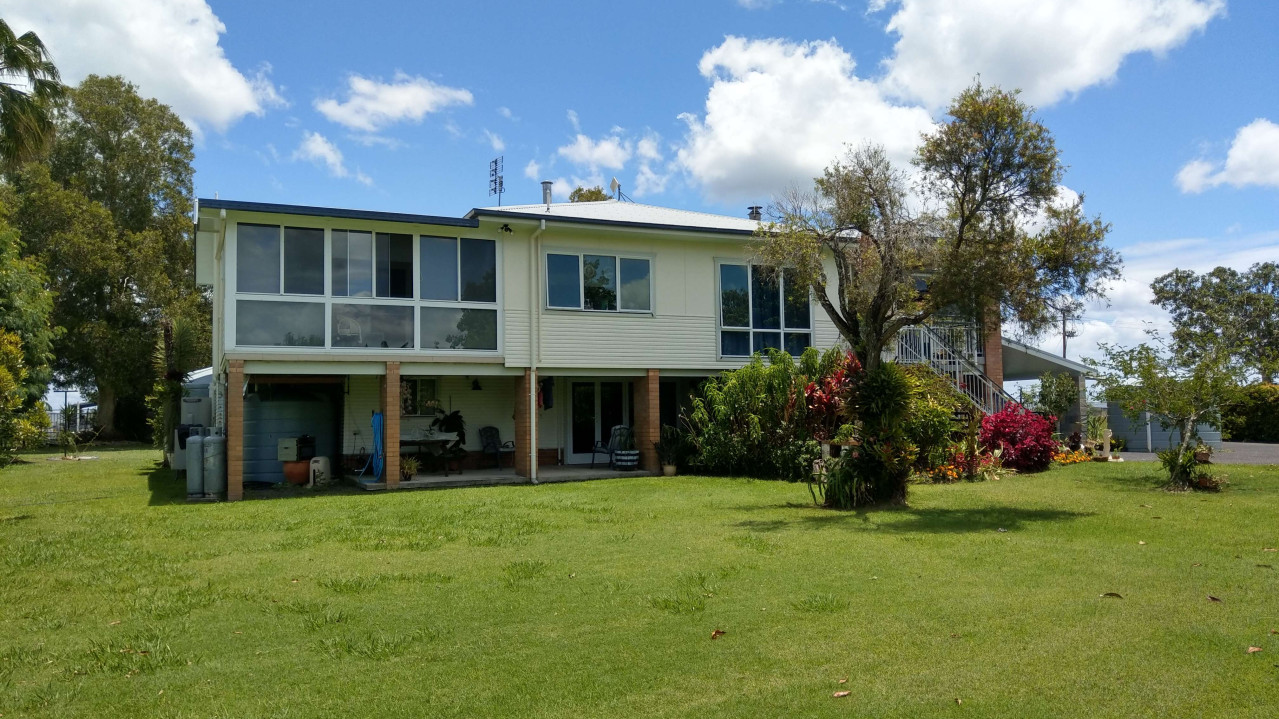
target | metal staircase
[{"x": 922, "y": 344}]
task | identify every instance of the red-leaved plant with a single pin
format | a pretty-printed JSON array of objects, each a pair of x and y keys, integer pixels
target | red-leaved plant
[
  {"x": 828, "y": 399},
  {"x": 1025, "y": 437}
]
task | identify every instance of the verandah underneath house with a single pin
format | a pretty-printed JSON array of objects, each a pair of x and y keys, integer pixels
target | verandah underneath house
[{"x": 551, "y": 322}]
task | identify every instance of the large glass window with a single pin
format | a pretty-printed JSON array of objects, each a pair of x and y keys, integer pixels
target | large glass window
[
  {"x": 257, "y": 264},
  {"x": 602, "y": 283},
  {"x": 635, "y": 278},
  {"x": 599, "y": 282},
  {"x": 376, "y": 326},
  {"x": 454, "y": 270},
  {"x": 439, "y": 268},
  {"x": 394, "y": 265},
  {"x": 459, "y": 328},
  {"x": 352, "y": 263},
  {"x": 478, "y": 260},
  {"x": 563, "y": 281},
  {"x": 760, "y": 309},
  {"x": 303, "y": 261},
  {"x": 279, "y": 324}
]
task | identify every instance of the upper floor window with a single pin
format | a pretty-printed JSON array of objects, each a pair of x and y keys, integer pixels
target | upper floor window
[
  {"x": 459, "y": 270},
  {"x": 272, "y": 258},
  {"x": 372, "y": 265},
  {"x": 762, "y": 308},
  {"x": 601, "y": 283}
]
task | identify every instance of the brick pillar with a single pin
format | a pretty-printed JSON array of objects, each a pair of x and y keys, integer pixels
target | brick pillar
[
  {"x": 648, "y": 418},
  {"x": 994, "y": 349},
  {"x": 525, "y": 452},
  {"x": 235, "y": 431},
  {"x": 391, "y": 423}
]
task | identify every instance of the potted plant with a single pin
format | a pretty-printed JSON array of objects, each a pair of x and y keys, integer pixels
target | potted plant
[
  {"x": 451, "y": 423},
  {"x": 668, "y": 450},
  {"x": 1203, "y": 453},
  {"x": 408, "y": 467},
  {"x": 626, "y": 457}
]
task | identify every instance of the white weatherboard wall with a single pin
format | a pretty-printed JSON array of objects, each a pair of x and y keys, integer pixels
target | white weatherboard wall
[{"x": 681, "y": 332}]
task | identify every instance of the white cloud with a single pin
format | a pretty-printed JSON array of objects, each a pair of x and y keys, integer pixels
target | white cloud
[
  {"x": 372, "y": 105},
  {"x": 1253, "y": 159},
  {"x": 1130, "y": 310},
  {"x": 169, "y": 48},
  {"x": 506, "y": 112},
  {"x": 319, "y": 150},
  {"x": 777, "y": 112},
  {"x": 1048, "y": 48},
  {"x": 532, "y": 170},
  {"x": 572, "y": 120},
  {"x": 611, "y": 152},
  {"x": 757, "y": 4},
  {"x": 495, "y": 141}
]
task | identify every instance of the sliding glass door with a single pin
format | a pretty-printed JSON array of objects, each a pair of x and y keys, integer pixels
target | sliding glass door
[{"x": 595, "y": 407}]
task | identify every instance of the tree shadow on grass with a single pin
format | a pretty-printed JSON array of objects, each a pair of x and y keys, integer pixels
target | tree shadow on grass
[
  {"x": 907, "y": 520},
  {"x": 165, "y": 485}
]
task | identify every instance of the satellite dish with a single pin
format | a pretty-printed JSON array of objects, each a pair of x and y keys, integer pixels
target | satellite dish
[{"x": 614, "y": 186}]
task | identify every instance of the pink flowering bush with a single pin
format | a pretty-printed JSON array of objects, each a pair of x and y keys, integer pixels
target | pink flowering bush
[{"x": 1026, "y": 438}]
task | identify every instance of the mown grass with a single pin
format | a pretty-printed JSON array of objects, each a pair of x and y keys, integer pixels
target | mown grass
[{"x": 599, "y": 599}]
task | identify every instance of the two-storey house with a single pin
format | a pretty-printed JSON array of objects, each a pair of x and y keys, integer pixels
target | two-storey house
[{"x": 550, "y": 322}]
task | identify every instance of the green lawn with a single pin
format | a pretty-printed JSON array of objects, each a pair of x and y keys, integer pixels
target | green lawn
[{"x": 599, "y": 599}]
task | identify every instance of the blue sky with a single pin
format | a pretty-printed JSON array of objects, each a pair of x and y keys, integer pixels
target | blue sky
[{"x": 1165, "y": 110}]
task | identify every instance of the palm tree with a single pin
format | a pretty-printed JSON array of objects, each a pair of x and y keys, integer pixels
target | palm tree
[{"x": 29, "y": 84}]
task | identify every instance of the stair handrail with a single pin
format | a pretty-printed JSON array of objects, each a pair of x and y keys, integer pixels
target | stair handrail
[{"x": 953, "y": 365}]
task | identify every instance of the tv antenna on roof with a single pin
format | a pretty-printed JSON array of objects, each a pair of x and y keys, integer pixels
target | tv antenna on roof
[{"x": 496, "y": 186}]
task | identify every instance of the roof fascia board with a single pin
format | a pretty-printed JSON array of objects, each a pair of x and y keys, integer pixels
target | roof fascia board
[
  {"x": 337, "y": 213},
  {"x": 619, "y": 224}
]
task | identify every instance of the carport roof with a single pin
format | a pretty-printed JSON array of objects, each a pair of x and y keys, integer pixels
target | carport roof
[{"x": 1022, "y": 362}]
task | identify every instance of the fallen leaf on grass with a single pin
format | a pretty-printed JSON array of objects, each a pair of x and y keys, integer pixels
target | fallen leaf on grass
[
  {"x": 1253, "y": 650},
  {"x": 112, "y": 624},
  {"x": 1197, "y": 564},
  {"x": 1113, "y": 595},
  {"x": 958, "y": 700},
  {"x": 1147, "y": 506},
  {"x": 716, "y": 634},
  {"x": 1140, "y": 542},
  {"x": 1213, "y": 599},
  {"x": 1156, "y": 517},
  {"x": 841, "y": 695},
  {"x": 844, "y": 680},
  {"x": 1274, "y": 631},
  {"x": 1269, "y": 549},
  {"x": 954, "y": 636}
]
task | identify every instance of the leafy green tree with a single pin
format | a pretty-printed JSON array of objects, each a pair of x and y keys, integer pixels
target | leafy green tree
[
  {"x": 176, "y": 355},
  {"x": 25, "y": 308},
  {"x": 1057, "y": 393},
  {"x": 1238, "y": 310},
  {"x": 989, "y": 171},
  {"x": 110, "y": 219},
  {"x": 21, "y": 425},
  {"x": 1179, "y": 389},
  {"x": 588, "y": 194},
  {"x": 29, "y": 86}
]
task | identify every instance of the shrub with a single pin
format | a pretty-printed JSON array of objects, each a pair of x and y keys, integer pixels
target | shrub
[
  {"x": 930, "y": 427},
  {"x": 1254, "y": 416},
  {"x": 1025, "y": 438},
  {"x": 876, "y": 470},
  {"x": 754, "y": 421}
]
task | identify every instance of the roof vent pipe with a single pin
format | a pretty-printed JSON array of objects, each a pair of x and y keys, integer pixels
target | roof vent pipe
[
  {"x": 546, "y": 192},
  {"x": 754, "y": 212}
]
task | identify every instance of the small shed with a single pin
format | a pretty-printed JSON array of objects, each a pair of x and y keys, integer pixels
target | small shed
[{"x": 1148, "y": 435}]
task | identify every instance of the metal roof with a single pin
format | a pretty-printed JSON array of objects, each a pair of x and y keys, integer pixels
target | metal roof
[
  {"x": 337, "y": 212},
  {"x": 630, "y": 214},
  {"x": 1023, "y": 362}
]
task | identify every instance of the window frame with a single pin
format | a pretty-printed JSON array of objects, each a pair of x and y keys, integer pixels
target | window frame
[
  {"x": 581, "y": 255},
  {"x": 751, "y": 330},
  {"x": 328, "y": 299}
]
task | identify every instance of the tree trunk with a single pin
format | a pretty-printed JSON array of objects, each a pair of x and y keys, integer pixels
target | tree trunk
[{"x": 106, "y": 411}]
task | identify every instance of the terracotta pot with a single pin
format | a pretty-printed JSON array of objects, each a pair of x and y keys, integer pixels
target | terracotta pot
[
  {"x": 297, "y": 472},
  {"x": 1203, "y": 456}
]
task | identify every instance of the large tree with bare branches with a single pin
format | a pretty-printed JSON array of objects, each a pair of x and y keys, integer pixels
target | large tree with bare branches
[{"x": 983, "y": 231}]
